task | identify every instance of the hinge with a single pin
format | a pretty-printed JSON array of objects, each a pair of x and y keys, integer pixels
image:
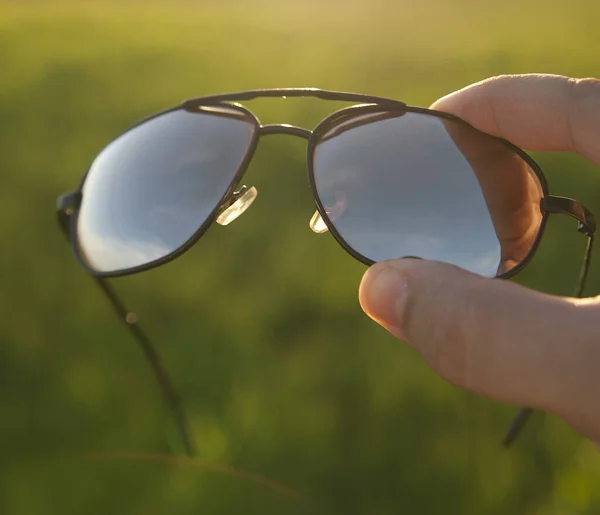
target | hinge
[
  {"x": 568, "y": 206},
  {"x": 67, "y": 202}
]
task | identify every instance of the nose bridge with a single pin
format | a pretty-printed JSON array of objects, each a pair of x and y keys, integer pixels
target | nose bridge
[
  {"x": 284, "y": 128},
  {"x": 317, "y": 224}
]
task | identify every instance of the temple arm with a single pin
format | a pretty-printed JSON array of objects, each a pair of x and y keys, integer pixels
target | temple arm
[
  {"x": 144, "y": 343},
  {"x": 586, "y": 225}
]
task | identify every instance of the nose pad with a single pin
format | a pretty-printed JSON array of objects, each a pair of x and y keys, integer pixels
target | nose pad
[
  {"x": 317, "y": 224},
  {"x": 334, "y": 210},
  {"x": 239, "y": 203}
]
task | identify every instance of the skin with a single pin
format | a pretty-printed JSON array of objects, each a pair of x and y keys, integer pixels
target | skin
[
  {"x": 510, "y": 189},
  {"x": 496, "y": 338}
]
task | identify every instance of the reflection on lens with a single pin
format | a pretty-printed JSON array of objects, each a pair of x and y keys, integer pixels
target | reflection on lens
[
  {"x": 152, "y": 188},
  {"x": 415, "y": 184}
]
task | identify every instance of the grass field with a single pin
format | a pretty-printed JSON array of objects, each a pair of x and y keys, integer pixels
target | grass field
[{"x": 259, "y": 324}]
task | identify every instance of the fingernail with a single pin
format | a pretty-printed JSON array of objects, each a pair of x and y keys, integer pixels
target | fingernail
[{"x": 382, "y": 297}]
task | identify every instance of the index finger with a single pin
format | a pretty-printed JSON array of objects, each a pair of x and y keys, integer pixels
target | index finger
[{"x": 536, "y": 112}]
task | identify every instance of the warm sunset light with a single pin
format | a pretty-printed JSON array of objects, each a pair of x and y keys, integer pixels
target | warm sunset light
[{"x": 250, "y": 350}]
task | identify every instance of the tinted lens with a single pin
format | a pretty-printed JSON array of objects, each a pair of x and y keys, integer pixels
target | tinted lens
[
  {"x": 153, "y": 187},
  {"x": 397, "y": 185}
]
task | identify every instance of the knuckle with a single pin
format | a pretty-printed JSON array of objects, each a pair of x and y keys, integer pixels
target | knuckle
[
  {"x": 584, "y": 95},
  {"x": 584, "y": 88}
]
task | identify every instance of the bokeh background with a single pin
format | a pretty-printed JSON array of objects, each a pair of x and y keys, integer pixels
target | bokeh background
[{"x": 281, "y": 374}]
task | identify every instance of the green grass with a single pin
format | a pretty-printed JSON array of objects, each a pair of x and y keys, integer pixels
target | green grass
[{"x": 259, "y": 324}]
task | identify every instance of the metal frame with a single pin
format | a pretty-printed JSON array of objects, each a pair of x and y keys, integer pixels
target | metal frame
[{"x": 69, "y": 203}]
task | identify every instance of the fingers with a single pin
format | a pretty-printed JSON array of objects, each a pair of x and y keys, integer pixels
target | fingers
[
  {"x": 509, "y": 187},
  {"x": 492, "y": 337},
  {"x": 536, "y": 112}
]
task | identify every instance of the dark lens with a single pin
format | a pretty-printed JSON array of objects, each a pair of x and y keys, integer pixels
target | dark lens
[
  {"x": 153, "y": 187},
  {"x": 399, "y": 184}
]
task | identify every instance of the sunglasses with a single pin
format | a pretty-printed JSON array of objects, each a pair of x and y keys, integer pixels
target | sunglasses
[{"x": 388, "y": 181}]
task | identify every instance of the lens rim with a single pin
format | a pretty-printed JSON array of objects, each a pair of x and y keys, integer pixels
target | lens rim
[
  {"x": 343, "y": 115},
  {"x": 228, "y": 195}
]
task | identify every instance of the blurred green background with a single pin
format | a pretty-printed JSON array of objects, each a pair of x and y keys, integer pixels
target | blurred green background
[{"x": 259, "y": 325}]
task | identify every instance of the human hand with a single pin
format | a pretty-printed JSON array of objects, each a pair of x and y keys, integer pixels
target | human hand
[
  {"x": 496, "y": 338},
  {"x": 511, "y": 190}
]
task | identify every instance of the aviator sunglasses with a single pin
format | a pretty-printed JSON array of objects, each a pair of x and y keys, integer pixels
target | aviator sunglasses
[{"x": 388, "y": 180}]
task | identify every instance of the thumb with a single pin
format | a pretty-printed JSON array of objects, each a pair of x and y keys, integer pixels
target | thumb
[{"x": 489, "y": 336}]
